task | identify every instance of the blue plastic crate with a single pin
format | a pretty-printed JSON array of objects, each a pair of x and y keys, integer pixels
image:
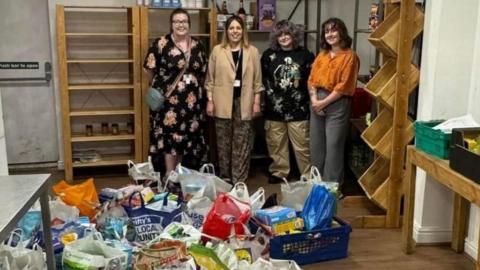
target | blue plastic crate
[{"x": 313, "y": 246}]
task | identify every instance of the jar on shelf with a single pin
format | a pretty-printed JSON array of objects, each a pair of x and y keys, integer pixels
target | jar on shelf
[
  {"x": 88, "y": 130},
  {"x": 129, "y": 127},
  {"x": 105, "y": 128},
  {"x": 115, "y": 129}
]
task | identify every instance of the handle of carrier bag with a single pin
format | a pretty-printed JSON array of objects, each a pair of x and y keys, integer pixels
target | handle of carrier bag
[
  {"x": 315, "y": 175},
  {"x": 131, "y": 164},
  {"x": 259, "y": 194},
  {"x": 207, "y": 168}
]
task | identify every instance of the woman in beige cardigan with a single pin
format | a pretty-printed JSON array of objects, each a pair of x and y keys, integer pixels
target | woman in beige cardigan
[{"x": 234, "y": 83}]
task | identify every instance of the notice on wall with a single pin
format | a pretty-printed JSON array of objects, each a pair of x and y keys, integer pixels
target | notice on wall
[{"x": 19, "y": 65}]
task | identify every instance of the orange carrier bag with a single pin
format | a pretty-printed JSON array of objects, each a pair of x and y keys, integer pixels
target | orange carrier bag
[{"x": 83, "y": 196}]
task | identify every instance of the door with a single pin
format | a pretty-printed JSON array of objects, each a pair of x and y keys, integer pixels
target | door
[{"x": 28, "y": 106}]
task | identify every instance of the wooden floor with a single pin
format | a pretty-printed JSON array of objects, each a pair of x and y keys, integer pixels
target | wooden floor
[{"x": 372, "y": 249}]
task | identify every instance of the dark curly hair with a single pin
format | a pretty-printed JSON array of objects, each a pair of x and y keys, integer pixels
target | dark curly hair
[
  {"x": 339, "y": 25},
  {"x": 288, "y": 28}
]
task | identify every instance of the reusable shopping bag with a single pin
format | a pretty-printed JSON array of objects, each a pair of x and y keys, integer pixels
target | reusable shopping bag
[
  {"x": 294, "y": 194},
  {"x": 149, "y": 222},
  {"x": 91, "y": 252},
  {"x": 319, "y": 208},
  {"x": 228, "y": 215},
  {"x": 83, "y": 196}
]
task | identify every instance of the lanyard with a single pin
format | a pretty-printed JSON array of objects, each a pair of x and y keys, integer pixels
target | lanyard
[{"x": 238, "y": 61}]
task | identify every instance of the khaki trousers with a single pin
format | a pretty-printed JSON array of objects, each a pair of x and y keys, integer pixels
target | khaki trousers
[{"x": 278, "y": 134}]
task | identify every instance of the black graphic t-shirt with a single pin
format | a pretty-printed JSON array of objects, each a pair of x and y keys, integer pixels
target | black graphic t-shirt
[{"x": 285, "y": 75}]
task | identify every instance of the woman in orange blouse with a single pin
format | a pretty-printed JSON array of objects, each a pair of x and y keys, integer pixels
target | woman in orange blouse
[{"x": 331, "y": 84}]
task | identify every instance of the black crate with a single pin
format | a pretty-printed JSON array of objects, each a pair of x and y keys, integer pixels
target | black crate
[{"x": 462, "y": 160}]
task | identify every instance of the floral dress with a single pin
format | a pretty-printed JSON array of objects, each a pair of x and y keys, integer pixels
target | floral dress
[{"x": 178, "y": 128}]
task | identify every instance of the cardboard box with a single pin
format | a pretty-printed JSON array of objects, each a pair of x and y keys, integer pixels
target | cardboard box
[
  {"x": 463, "y": 160},
  {"x": 266, "y": 14}
]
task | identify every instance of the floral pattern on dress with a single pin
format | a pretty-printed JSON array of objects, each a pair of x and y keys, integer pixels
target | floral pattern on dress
[{"x": 179, "y": 127}]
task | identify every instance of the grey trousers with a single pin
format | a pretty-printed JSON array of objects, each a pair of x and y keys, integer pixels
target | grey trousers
[{"x": 327, "y": 137}]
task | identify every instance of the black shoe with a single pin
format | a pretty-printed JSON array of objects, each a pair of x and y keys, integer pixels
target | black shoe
[{"x": 272, "y": 179}]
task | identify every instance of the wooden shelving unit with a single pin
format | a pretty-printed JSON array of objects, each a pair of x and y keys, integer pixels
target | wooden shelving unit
[
  {"x": 391, "y": 130},
  {"x": 77, "y": 64}
]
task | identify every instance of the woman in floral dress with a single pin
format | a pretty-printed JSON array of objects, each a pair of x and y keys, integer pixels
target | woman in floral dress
[{"x": 177, "y": 130}]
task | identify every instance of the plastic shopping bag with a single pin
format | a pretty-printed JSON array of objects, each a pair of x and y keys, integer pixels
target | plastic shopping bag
[
  {"x": 228, "y": 215},
  {"x": 83, "y": 196},
  {"x": 21, "y": 258},
  {"x": 262, "y": 264},
  {"x": 182, "y": 232},
  {"x": 294, "y": 194},
  {"x": 240, "y": 191},
  {"x": 197, "y": 210},
  {"x": 166, "y": 254},
  {"x": 206, "y": 258},
  {"x": 144, "y": 174},
  {"x": 199, "y": 183},
  {"x": 319, "y": 208},
  {"x": 91, "y": 252}
]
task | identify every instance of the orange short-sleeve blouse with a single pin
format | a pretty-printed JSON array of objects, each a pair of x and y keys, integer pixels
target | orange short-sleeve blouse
[{"x": 338, "y": 73}]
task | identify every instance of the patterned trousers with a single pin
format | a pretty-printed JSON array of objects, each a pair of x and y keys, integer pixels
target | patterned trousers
[{"x": 234, "y": 145}]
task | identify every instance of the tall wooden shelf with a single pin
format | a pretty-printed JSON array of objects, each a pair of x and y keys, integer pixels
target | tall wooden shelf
[
  {"x": 392, "y": 130},
  {"x": 75, "y": 24}
]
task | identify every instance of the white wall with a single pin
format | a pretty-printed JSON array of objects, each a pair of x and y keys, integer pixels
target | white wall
[{"x": 448, "y": 82}]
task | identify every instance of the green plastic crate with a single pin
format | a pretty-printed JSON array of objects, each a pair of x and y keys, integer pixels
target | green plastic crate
[{"x": 432, "y": 141}]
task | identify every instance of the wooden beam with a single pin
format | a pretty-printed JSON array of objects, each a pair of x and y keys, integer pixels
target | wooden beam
[
  {"x": 63, "y": 78},
  {"x": 459, "y": 227},
  {"x": 400, "y": 121},
  {"x": 137, "y": 82},
  {"x": 144, "y": 45},
  {"x": 213, "y": 24},
  {"x": 408, "y": 203},
  {"x": 369, "y": 222}
]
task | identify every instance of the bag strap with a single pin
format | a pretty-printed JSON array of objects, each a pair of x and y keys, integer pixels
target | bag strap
[{"x": 172, "y": 86}]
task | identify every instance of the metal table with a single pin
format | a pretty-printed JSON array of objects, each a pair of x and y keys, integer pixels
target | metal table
[{"x": 17, "y": 195}]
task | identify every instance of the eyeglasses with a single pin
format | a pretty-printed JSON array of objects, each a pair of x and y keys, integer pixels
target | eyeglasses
[{"x": 179, "y": 22}]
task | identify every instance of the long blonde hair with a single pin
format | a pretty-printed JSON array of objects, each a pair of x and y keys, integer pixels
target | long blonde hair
[{"x": 225, "y": 39}]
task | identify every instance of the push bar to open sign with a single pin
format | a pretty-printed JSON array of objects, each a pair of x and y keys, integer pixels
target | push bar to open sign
[{"x": 26, "y": 65}]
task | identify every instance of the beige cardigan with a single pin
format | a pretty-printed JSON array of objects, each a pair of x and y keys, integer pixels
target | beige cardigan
[{"x": 221, "y": 76}]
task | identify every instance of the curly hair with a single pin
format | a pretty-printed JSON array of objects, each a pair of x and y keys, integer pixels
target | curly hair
[
  {"x": 288, "y": 28},
  {"x": 339, "y": 25}
]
